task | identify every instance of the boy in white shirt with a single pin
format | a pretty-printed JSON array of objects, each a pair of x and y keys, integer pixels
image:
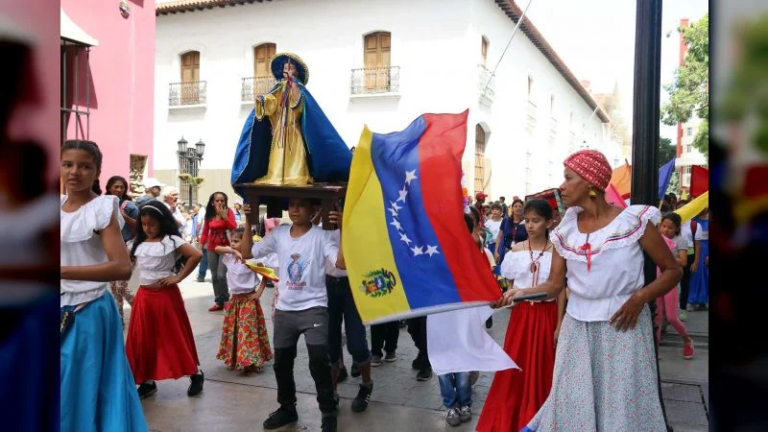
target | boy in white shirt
[{"x": 302, "y": 308}]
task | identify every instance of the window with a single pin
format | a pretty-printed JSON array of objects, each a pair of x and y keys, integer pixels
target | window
[
  {"x": 378, "y": 50},
  {"x": 191, "y": 92},
  {"x": 688, "y": 148},
  {"x": 690, "y": 131},
  {"x": 479, "y": 158},
  {"x": 552, "y": 106},
  {"x": 530, "y": 88},
  {"x": 263, "y": 81},
  {"x": 484, "y": 51}
]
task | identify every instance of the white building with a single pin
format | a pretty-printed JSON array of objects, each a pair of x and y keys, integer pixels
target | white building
[{"x": 380, "y": 63}]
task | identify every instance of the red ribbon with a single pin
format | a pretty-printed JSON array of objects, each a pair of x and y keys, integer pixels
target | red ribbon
[{"x": 588, "y": 247}]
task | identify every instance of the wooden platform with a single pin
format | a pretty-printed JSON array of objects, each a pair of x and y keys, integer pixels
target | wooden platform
[{"x": 329, "y": 195}]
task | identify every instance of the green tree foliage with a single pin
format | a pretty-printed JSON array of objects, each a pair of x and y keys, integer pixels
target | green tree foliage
[
  {"x": 667, "y": 151},
  {"x": 689, "y": 93}
]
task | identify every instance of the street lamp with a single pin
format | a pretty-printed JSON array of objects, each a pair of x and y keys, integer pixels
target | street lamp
[{"x": 189, "y": 163}]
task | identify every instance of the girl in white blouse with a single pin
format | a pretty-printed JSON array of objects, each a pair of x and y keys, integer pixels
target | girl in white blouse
[
  {"x": 244, "y": 340},
  {"x": 96, "y": 382},
  {"x": 160, "y": 343},
  {"x": 517, "y": 394}
]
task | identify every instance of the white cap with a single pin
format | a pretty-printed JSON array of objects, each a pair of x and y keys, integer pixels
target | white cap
[{"x": 151, "y": 182}]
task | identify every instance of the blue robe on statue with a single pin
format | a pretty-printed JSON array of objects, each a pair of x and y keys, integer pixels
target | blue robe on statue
[{"x": 328, "y": 157}]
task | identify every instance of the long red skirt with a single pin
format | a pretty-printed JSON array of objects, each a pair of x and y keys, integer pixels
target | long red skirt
[
  {"x": 160, "y": 343},
  {"x": 517, "y": 394}
]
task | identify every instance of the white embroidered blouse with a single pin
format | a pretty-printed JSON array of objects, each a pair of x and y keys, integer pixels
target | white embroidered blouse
[
  {"x": 156, "y": 260},
  {"x": 604, "y": 275},
  {"x": 517, "y": 266},
  {"x": 81, "y": 245}
]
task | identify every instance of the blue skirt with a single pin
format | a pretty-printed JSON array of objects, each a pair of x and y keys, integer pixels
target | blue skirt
[
  {"x": 699, "y": 285},
  {"x": 97, "y": 388}
]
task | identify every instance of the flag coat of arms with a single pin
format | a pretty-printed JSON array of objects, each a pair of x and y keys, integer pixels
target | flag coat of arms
[{"x": 407, "y": 248}]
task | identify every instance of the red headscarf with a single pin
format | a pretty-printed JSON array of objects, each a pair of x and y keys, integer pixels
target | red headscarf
[{"x": 592, "y": 166}]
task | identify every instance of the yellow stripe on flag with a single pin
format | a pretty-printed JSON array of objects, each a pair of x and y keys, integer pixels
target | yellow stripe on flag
[
  {"x": 693, "y": 208},
  {"x": 365, "y": 239}
]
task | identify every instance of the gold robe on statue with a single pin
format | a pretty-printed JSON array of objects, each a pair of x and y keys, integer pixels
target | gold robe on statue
[{"x": 287, "y": 156}]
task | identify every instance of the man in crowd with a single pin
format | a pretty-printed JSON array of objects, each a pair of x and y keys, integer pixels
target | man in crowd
[
  {"x": 170, "y": 195},
  {"x": 504, "y": 207},
  {"x": 152, "y": 190}
]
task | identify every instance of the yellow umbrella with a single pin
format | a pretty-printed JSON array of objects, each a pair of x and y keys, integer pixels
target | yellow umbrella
[{"x": 693, "y": 208}]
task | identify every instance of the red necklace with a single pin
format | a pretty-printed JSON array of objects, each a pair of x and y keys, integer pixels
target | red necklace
[{"x": 535, "y": 262}]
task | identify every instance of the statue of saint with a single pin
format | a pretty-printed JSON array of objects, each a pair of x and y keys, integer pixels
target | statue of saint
[{"x": 287, "y": 140}]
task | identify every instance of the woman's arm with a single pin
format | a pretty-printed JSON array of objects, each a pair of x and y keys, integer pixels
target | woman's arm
[
  {"x": 118, "y": 265},
  {"x": 499, "y": 241},
  {"x": 671, "y": 273},
  {"x": 696, "y": 256},
  {"x": 682, "y": 257},
  {"x": 204, "y": 234}
]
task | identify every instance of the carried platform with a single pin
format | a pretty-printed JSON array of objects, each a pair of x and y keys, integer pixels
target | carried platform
[{"x": 329, "y": 195}]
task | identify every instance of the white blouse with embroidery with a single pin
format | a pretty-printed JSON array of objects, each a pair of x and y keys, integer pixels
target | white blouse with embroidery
[
  {"x": 81, "y": 245},
  {"x": 240, "y": 278},
  {"x": 604, "y": 268},
  {"x": 517, "y": 266},
  {"x": 156, "y": 260}
]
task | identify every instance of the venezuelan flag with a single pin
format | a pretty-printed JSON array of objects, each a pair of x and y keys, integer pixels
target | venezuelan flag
[{"x": 406, "y": 245}]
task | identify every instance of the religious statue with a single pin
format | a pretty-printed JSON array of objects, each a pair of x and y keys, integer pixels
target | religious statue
[{"x": 287, "y": 140}]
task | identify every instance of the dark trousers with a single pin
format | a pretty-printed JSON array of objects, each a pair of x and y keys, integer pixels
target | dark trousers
[
  {"x": 417, "y": 328},
  {"x": 342, "y": 310},
  {"x": 202, "y": 269},
  {"x": 384, "y": 336},
  {"x": 685, "y": 283},
  {"x": 288, "y": 326}
]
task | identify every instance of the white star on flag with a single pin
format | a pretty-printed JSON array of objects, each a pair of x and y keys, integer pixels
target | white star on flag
[
  {"x": 395, "y": 206},
  {"x": 403, "y": 194},
  {"x": 410, "y": 175},
  {"x": 417, "y": 250},
  {"x": 396, "y": 224},
  {"x": 432, "y": 250},
  {"x": 393, "y": 211},
  {"x": 405, "y": 239}
]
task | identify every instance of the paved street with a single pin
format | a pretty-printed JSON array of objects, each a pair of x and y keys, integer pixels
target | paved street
[{"x": 234, "y": 402}]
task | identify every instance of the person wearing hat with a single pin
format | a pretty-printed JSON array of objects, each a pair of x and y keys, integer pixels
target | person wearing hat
[
  {"x": 152, "y": 189},
  {"x": 605, "y": 375},
  {"x": 480, "y": 205},
  {"x": 287, "y": 139}
]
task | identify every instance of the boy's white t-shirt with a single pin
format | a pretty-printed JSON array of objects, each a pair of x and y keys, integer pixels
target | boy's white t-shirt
[{"x": 302, "y": 265}]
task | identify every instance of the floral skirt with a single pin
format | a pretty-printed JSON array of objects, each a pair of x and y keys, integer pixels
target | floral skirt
[
  {"x": 244, "y": 338},
  {"x": 604, "y": 380}
]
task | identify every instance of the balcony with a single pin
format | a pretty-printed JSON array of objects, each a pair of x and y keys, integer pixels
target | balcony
[
  {"x": 187, "y": 94},
  {"x": 530, "y": 121},
  {"x": 487, "y": 89},
  {"x": 371, "y": 82},
  {"x": 253, "y": 86}
]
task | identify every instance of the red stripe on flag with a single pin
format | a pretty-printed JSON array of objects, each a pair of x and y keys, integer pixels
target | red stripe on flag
[{"x": 440, "y": 151}]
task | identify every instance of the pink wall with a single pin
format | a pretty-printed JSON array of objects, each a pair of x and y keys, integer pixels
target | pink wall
[
  {"x": 40, "y": 121},
  {"x": 122, "y": 76}
]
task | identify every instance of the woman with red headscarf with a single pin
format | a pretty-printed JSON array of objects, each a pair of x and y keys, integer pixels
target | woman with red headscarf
[{"x": 605, "y": 374}]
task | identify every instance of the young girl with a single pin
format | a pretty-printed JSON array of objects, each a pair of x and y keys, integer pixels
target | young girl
[
  {"x": 160, "y": 344},
  {"x": 517, "y": 394},
  {"x": 97, "y": 391},
  {"x": 666, "y": 305},
  {"x": 118, "y": 187},
  {"x": 699, "y": 289},
  {"x": 219, "y": 219},
  {"x": 244, "y": 341}
]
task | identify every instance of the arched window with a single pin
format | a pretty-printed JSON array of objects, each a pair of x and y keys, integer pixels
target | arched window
[{"x": 479, "y": 158}]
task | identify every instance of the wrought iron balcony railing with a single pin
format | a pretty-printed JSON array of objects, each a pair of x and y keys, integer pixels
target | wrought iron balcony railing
[
  {"x": 375, "y": 80},
  {"x": 253, "y": 86},
  {"x": 187, "y": 93},
  {"x": 486, "y": 90}
]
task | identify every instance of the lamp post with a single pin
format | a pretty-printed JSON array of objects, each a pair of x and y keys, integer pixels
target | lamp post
[{"x": 189, "y": 162}]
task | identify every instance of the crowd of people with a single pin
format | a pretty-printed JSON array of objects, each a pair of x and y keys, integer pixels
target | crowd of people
[{"x": 593, "y": 310}]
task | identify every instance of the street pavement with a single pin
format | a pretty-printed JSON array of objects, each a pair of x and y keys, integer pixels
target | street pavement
[{"x": 232, "y": 401}]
